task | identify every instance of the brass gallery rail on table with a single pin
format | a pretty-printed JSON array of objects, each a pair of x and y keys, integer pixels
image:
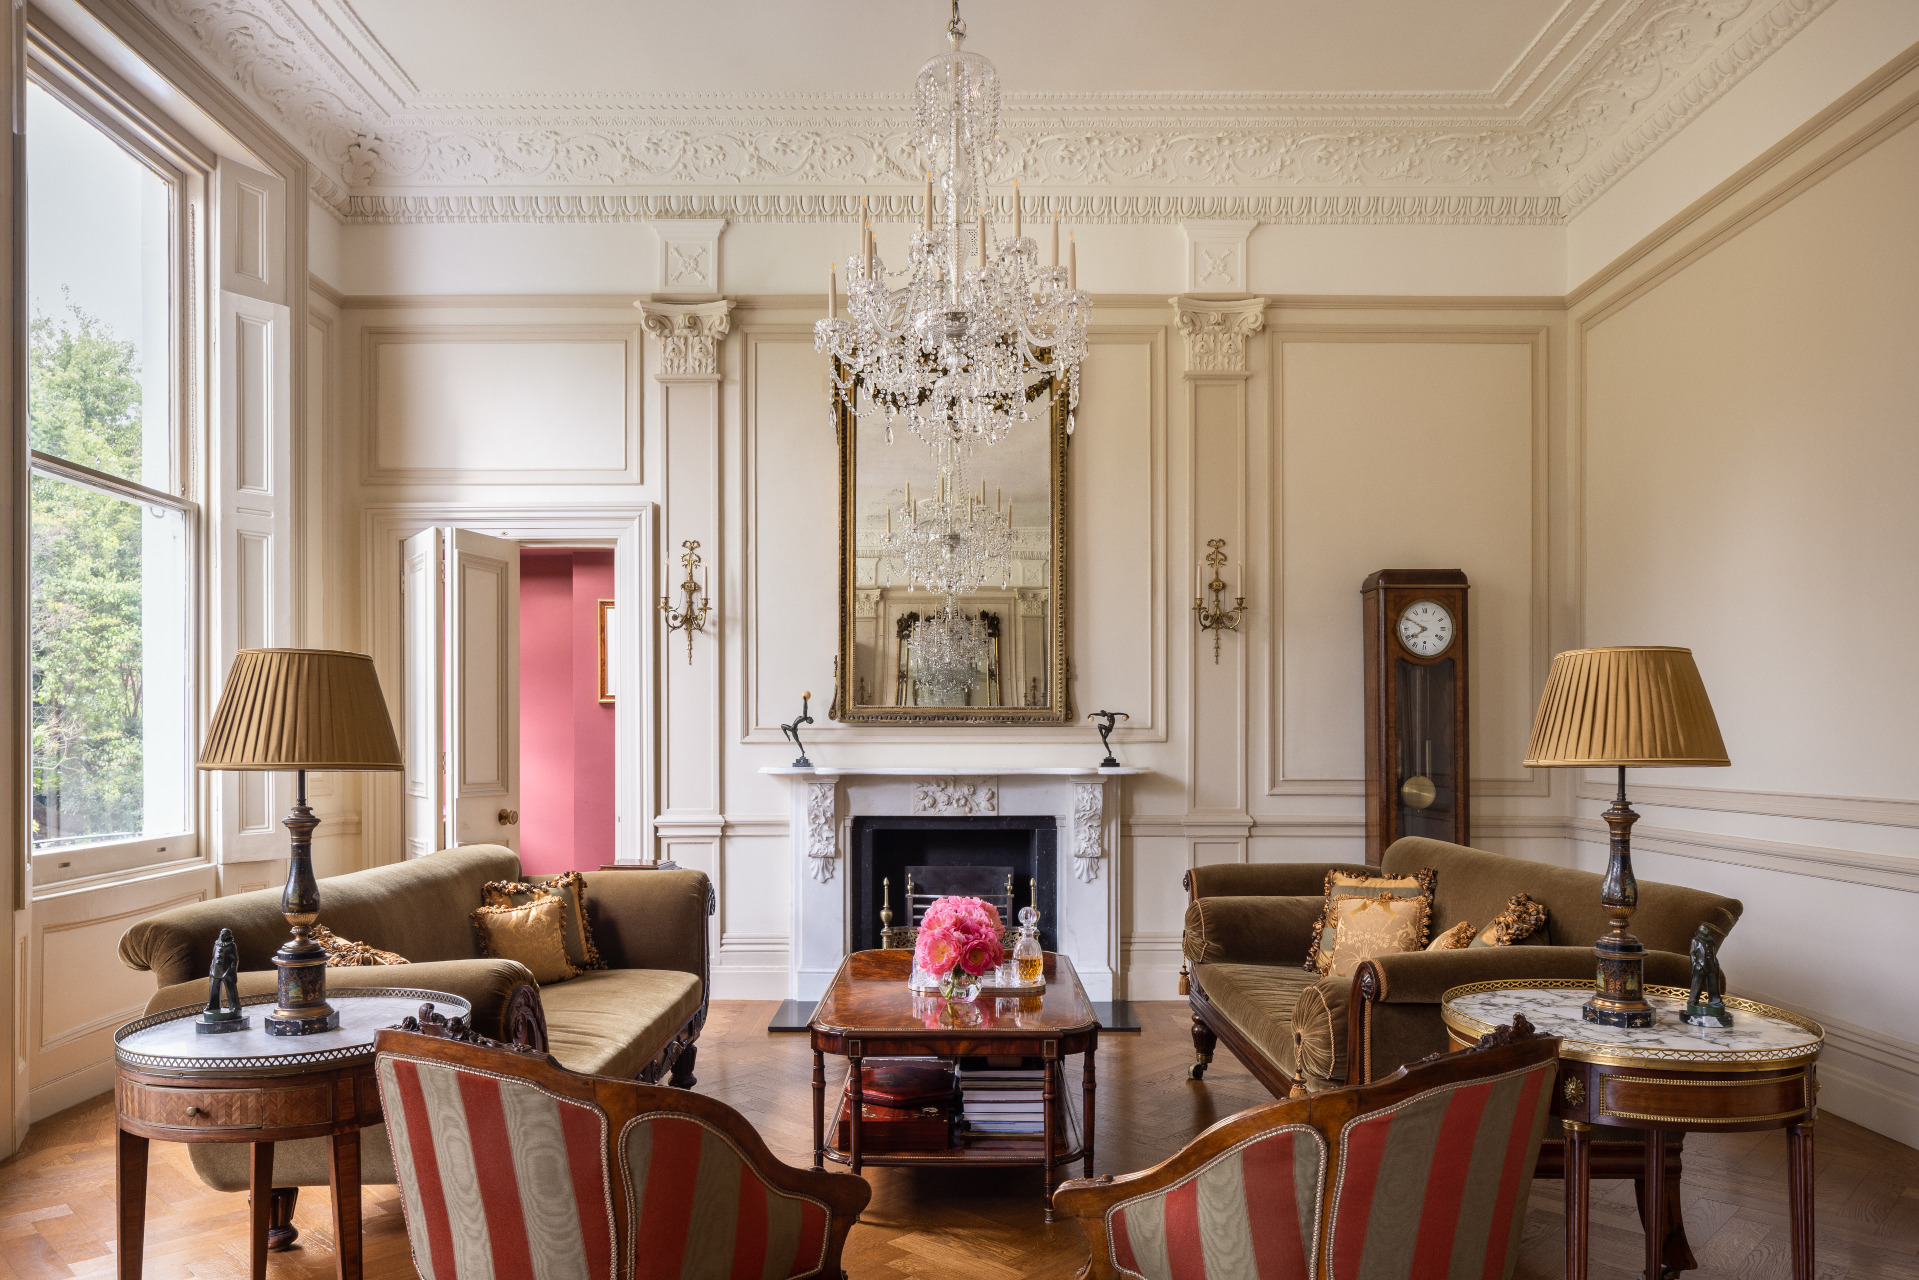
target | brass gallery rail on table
[{"x": 869, "y": 1012}]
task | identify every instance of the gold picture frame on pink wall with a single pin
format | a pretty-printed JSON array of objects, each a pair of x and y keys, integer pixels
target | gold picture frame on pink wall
[{"x": 606, "y": 641}]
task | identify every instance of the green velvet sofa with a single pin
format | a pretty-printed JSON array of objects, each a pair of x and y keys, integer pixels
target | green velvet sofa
[
  {"x": 640, "y": 1017},
  {"x": 1249, "y": 926}
]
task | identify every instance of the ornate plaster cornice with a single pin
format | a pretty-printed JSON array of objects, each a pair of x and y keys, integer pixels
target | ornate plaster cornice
[{"x": 1534, "y": 152}]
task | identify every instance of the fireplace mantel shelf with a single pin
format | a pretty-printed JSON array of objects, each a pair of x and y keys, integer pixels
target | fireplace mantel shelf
[{"x": 948, "y": 771}]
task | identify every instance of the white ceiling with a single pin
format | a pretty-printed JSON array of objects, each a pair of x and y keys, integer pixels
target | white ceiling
[
  {"x": 471, "y": 50},
  {"x": 1355, "y": 111}
]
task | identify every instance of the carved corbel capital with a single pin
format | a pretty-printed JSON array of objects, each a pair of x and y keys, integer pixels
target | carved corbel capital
[
  {"x": 689, "y": 335},
  {"x": 1216, "y": 332},
  {"x": 821, "y": 841},
  {"x": 1089, "y": 829}
]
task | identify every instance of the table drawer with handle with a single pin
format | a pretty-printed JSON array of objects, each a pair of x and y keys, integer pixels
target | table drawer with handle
[{"x": 251, "y": 1107}]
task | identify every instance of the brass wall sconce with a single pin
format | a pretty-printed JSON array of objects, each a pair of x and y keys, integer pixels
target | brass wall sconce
[
  {"x": 691, "y": 615},
  {"x": 1216, "y": 617}
]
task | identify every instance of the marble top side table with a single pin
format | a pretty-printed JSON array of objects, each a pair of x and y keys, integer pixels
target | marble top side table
[
  {"x": 1663, "y": 1079},
  {"x": 173, "y": 1083}
]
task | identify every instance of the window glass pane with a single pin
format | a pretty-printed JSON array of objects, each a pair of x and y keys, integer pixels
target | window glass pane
[
  {"x": 97, "y": 272},
  {"x": 110, "y": 645}
]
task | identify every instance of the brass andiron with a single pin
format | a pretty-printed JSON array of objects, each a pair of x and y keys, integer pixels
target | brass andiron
[
  {"x": 691, "y": 615},
  {"x": 1216, "y": 617}
]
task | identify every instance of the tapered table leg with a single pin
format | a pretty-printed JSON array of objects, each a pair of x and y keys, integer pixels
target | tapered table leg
[
  {"x": 1087, "y": 1088},
  {"x": 260, "y": 1189},
  {"x": 1655, "y": 1207},
  {"x": 856, "y": 1103},
  {"x": 1578, "y": 1175},
  {"x": 1799, "y": 1175},
  {"x": 130, "y": 1187},
  {"x": 343, "y": 1176},
  {"x": 819, "y": 1109},
  {"x": 1049, "y": 1099}
]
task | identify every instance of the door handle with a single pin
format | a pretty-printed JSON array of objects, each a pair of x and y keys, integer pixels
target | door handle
[{"x": 509, "y": 817}]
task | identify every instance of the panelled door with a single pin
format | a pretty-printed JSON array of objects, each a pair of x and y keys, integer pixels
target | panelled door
[{"x": 462, "y": 610}]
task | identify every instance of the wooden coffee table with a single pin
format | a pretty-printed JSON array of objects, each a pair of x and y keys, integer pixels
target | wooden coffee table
[{"x": 868, "y": 1012}]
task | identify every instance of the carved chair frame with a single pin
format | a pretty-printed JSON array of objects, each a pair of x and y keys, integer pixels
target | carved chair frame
[
  {"x": 1089, "y": 1200},
  {"x": 624, "y": 1101}
]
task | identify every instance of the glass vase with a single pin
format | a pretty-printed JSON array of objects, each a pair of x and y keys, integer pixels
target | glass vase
[{"x": 957, "y": 985}]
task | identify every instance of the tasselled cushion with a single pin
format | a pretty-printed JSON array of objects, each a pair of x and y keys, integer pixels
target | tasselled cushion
[
  {"x": 1339, "y": 884},
  {"x": 570, "y": 888}
]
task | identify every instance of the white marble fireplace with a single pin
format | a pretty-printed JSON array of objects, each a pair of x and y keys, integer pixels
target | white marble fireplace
[{"x": 1084, "y": 804}]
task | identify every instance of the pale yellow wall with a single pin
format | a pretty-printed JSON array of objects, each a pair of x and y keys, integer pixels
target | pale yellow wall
[{"x": 1751, "y": 477}]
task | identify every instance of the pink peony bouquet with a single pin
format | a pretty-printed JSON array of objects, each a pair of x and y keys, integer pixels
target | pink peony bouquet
[{"x": 959, "y": 933}]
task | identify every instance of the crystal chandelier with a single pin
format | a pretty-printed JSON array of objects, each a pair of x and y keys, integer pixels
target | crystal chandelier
[
  {"x": 948, "y": 543},
  {"x": 977, "y": 328},
  {"x": 948, "y": 652}
]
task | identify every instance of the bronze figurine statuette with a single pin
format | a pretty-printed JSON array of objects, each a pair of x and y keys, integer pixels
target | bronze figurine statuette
[
  {"x": 792, "y": 729},
  {"x": 223, "y": 979},
  {"x": 1106, "y": 720},
  {"x": 1706, "y": 1002}
]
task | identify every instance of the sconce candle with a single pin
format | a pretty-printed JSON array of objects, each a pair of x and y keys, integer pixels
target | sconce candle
[
  {"x": 1216, "y": 617},
  {"x": 691, "y": 615}
]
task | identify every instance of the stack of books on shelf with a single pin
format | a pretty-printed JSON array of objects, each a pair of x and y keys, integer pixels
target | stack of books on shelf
[
  {"x": 1002, "y": 1102},
  {"x": 906, "y": 1104}
]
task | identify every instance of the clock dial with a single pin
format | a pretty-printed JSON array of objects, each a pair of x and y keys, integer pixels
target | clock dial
[{"x": 1425, "y": 628}]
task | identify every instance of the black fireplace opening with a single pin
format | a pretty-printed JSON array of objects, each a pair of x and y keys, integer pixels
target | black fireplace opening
[{"x": 1027, "y": 848}]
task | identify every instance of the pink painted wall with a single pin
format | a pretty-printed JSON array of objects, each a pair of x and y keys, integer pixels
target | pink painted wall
[{"x": 566, "y": 736}]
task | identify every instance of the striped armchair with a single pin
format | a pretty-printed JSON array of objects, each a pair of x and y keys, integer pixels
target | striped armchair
[
  {"x": 1431, "y": 1165},
  {"x": 512, "y": 1167}
]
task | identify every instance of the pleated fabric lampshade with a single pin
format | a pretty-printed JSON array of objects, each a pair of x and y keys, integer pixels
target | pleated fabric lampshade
[
  {"x": 1633, "y": 706},
  {"x": 314, "y": 709}
]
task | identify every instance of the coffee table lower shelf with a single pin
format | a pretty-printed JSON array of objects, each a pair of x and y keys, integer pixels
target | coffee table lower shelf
[{"x": 1001, "y": 1151}]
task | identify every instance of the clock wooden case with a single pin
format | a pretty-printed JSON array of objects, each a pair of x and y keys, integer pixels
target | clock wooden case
[{"x": 1418, "y": 747}]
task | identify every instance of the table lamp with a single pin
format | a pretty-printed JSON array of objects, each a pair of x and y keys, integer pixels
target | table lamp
[
  {"x": 1641, "y": 706},
  {"x": 301, "y": 709}
]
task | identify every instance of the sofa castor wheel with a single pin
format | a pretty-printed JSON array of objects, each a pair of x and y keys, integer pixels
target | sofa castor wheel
[{"x": 1196, "y": 1072}]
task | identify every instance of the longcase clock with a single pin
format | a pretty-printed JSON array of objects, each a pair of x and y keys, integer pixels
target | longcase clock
[{"x": 1417, "y": 740}]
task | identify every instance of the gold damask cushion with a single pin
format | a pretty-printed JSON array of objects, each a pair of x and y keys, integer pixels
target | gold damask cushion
[
  {"x": 570, "y": 888},
  {"x": 1346, "y": 884},
  {"x": 1460, "y": 935},
  {"x": 533, "y": 934},
  {"x": 1377, "y": 925},
  {"x": 1521, "y": 919},
  {"x": 342, "y": 954}
]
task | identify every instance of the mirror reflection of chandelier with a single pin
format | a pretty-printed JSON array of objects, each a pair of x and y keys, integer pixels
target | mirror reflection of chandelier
[
  {"x": 948, "y": 652},
  {"x": 961, "y": 349},
  {"x": 950, "y": 543}
]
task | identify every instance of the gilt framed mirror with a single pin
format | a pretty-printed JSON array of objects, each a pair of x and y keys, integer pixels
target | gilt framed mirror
[{"x": 996, "y": 654}]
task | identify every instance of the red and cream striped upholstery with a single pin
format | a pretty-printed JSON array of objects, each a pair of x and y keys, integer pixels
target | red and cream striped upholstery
[
  {"x": 1436, "y": 1186},
  {"x": 501, "y": 1179},
  {"x": 1250, "y": 1213},
  {"x": 700, "y": 1211}
]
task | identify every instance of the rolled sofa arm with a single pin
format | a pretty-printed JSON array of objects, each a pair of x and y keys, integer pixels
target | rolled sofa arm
[
  {"x": 1394, "y": 1018},
  {"x": 1250, "y": 930},
  {"x": 504, "y": 998},
  {"x": 647, "y": 919}
]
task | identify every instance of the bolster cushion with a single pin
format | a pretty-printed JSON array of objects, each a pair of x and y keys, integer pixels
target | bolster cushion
[
  {"x": 1319, "y": 1033},
  {"x": 487, "y": 985},
  {"x": 1249, "y": 930},
  {"x": 1422, "y": 977}
]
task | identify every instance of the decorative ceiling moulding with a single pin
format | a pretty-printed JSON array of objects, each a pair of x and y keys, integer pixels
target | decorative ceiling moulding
[
  {"x": 1079, "y": 210},
  {"x": 390, "y": 155}
]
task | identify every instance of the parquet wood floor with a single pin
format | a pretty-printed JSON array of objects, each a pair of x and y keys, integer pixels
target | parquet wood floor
[{"x": 56, "y": 1194}]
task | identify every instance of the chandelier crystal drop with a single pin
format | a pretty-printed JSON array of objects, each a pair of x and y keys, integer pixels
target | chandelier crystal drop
[
  {"x": 948, "y": 652},
  {"x": 976, "y": 329}
]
